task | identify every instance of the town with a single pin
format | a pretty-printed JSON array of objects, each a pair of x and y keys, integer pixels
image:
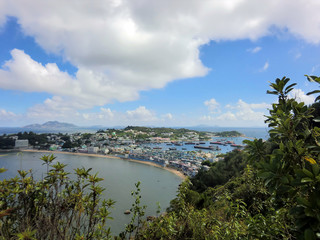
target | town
[{"x": 181, "y": 149}]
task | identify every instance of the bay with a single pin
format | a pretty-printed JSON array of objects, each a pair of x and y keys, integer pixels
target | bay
[{"x": 157, "y": 185}]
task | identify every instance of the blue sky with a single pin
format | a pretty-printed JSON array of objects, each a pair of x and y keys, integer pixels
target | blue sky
[{"x": 158, "y": 63}]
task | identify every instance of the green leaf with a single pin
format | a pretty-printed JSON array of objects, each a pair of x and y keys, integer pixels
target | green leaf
[
  {"x": 315, "y": 169},
  {"x": 307, "y": 173},
  {"x": 316, "y": 119},
  {"x": 272, "y": 92},
  {"x": 306, "y": 180},
  {"x": 266, "y": 175},
  {"x": 284, "y": 180},
  {"x": 304, "y": 202},
  {"x": 309, "y": 234},
  {"x": 313, "y": 92}
]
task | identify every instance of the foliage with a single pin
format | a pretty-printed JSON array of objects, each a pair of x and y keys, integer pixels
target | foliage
[
  {"x": 220, "y": 172},
  {"x": 277, "y": 195},
  {"x": 292, "y": 171},
  {"x": 239, "y": 209},
  {"x": 56, "y": 207},
  {"x": 34, "y": 139},
  {"x": 138, "y": 212},
  {"x": 6, "y": 142},
  {"x": 228, "y": 134}
]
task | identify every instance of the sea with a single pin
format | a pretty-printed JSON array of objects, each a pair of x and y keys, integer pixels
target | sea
[
  {"x": 249, "y": 132},
  {"x": 157, "y": 185}
]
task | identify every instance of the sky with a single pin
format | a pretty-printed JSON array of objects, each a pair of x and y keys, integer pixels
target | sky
[{"x": 153, "y": 63}]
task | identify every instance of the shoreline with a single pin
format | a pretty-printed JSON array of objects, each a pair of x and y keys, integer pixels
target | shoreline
[{"x": 174, "y": 171}]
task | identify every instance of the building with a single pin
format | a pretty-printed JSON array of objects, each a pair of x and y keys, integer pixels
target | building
[
  {"x": 93, "y": 149},
  {"x": 21, "y": 143}
]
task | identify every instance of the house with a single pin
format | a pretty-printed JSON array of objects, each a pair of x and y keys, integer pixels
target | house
[{"x": 93, "y": 149}]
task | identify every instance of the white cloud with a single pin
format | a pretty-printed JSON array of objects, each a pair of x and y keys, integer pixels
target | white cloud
[
  {"x": 212, "y": 105},
  {"x": 300, "y": 96},
  {"x": 106, "y": 112},
  {"x": 228, "y": 116},
  {"x": 8, "y": 118},
  {"x": 265, "y": 67},
  {"x": 254, "y": 50},
  {"x": 297, "y": 56},
  {"x": 239, "y": 114},
  {"x": 168, "y": 116},
  {"x": 122, "y": 47},
  {"x": 141, "y": 114},
  {"x": 87, "y": 89},
  {"x": 5, "y": 115}
]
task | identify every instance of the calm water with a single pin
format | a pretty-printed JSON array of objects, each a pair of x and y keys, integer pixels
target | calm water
[
  {"x": 224, "y": 149},
  {"x": 157, "y": 185}
]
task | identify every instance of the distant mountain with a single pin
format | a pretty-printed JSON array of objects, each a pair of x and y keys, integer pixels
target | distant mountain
[{"x": 51, "y": 125}]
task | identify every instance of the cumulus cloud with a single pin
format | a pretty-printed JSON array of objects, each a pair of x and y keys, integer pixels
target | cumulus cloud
[
  {"x": 87, "y": 89},
  {"x": 106, "y": 112},
  {"x": 168, "y": 116},
  {"x": 240, "y": 114},
  {"x": 141, "y": 114},
  {"x": 5, "y": 115},
  {"x": 212, "y": 105},
  {"x": 8, "y": 118},
  {"x": 121, "y": 47},
  {"x": 300, "y": 96},
  {"x": 228, "y": 116},
  {"x": 105, "y": 116}
]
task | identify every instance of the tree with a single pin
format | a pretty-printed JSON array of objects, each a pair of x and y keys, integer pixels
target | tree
[
  {"x": 56, "y": 207},
  {"x": 292, "y": 171}
]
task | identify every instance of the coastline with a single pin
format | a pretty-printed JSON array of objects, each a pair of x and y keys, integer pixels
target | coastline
[{"x": 174, "y": 171}]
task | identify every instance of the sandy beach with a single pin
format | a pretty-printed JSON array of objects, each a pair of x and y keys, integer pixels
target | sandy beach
[{"x": 176, "y": 172}]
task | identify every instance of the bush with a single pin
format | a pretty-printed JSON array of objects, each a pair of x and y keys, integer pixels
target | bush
[{"x": 56, "y": 207}]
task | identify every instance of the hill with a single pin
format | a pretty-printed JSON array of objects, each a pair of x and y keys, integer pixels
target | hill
[{"x": 51, "y": 125}]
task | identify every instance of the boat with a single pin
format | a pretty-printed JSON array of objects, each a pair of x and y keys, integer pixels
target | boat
[
  {"x": 127, "y": 212},
  {"x": 236, "y": 145},
  {"x": 205, "y": 147}
]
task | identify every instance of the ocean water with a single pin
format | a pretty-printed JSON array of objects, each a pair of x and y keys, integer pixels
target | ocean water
[
  {"x": 157, "y": 185},
  {"x": 14, "y": 130},
  {"x": 248, "y": 132}
]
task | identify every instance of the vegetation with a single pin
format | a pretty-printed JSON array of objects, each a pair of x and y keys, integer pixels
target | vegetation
[
  {"x": 220, "y": 172},
  {"x": 228, "y": 134},
  {"x": 6, "y": 143},
  {"x": 269, "y": 191},
  {"x": 56, "y": 207},
  {"x": 275, "y": 197}
]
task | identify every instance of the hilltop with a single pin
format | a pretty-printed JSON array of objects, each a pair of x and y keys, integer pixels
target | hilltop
[{"x": 51, "y": 125}]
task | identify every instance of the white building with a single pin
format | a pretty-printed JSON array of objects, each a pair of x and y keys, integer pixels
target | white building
[
  {"x": 93, "y": 149},
  {"x": 21, "y": 143}
]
